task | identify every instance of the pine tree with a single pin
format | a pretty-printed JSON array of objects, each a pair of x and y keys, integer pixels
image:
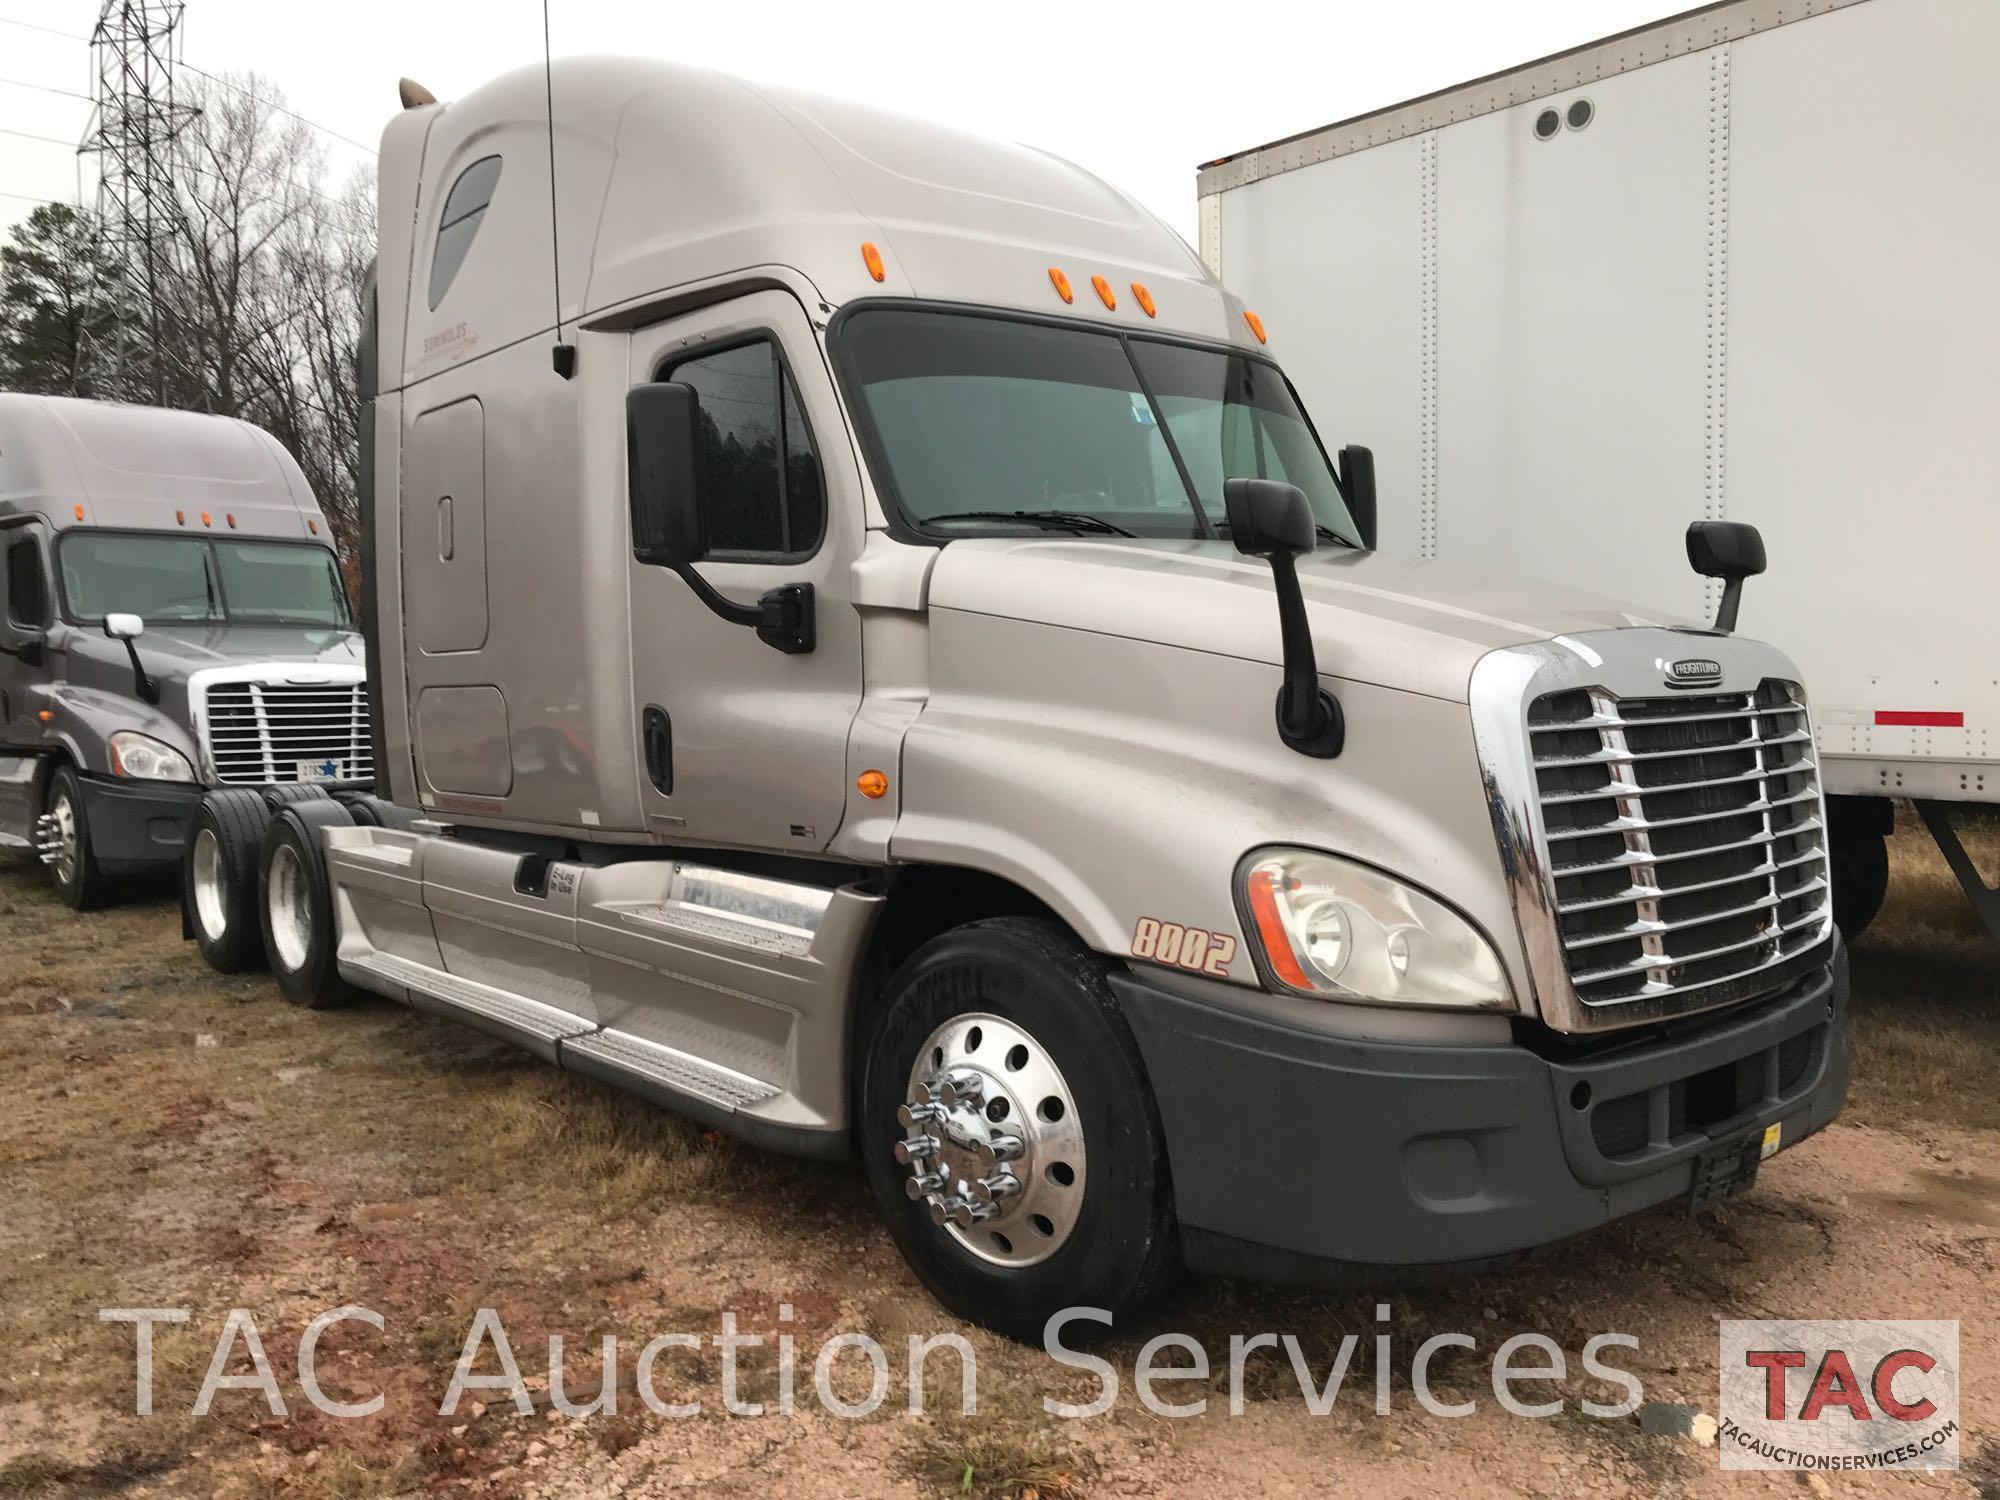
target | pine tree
[{"x": 58, "y": 305}]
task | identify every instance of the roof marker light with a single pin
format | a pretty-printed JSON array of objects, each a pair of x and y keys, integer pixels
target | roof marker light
[
  {"x": 872, "y": 258},
  {"x": 180, "y": 518},
  {"x": 231, "y": 519},
  {"x": 205, "y": 519},
  {"x": 1104, "y": 292},
  {"x": 79, "y": 512},
  {"x": 1256, "y": 325},
  {"x": 1145, "y": 300},
  {"x": 312, "y": 526},
  {"x": 1061, "y": 283}
]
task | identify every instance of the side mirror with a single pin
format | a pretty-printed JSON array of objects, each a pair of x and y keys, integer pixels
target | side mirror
[
  {"x": 662, "y": 431},
  {"x": 1271, "y": 519},
  {"x": 669, "y": 527},
  {"x": 1731, "y": 551},
  {"x": 128, "y": 628},
  {"x": 1357, "y": 487}
]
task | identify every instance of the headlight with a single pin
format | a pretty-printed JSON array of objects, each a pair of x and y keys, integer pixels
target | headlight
[
  {"x": 144, "y": 758},
  {"x": 1328, "y": 927}
]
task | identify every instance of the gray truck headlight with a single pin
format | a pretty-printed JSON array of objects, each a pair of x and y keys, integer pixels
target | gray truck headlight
[
  {"x": 144, "y": 758},
  {"x": 1331, "y": 928}
]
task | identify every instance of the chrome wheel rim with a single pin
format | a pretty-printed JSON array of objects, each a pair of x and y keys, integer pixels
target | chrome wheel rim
[
  {"x": 211, "y": 910},
  {"x": 992, "y": 1141},
  {"x": 285, "y": 895},
  {"x": 64, "y": 812}
]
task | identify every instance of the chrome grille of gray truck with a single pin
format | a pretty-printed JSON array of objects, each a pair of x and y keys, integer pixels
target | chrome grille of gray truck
[
  {"x": 1686, "y": 841},
  {"x": 259, "y": 732}
]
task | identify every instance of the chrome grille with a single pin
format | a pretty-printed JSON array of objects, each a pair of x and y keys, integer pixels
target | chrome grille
[
  {"x": 1686, "y": 841},
  {"x": 260, "y": 732}
]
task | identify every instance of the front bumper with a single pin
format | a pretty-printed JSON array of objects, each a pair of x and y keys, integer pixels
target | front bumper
[
  {"x": 137, "y": 825},
  {"x": 1297, "y": 1155}
]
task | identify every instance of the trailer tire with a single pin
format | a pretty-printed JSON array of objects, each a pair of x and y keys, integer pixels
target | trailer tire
[
  {"x": 295, "y": 906},
  {"x": 1858, "y": 831},
  {"x": 1038, "y": 1001},
  {"x": 219, "y": 878}
]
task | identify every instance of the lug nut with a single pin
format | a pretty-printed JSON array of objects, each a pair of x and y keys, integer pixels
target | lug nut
[
  {"x": 965, "y": 1215},
  {"x": 962, "y": 1087},
  {"x": 923, "y": 1184},
  {"x": 917, "y": 1147},
  {"x": 1000, "y": 1148},
  {"x": 945, "y": 1210},
  {"x": 994, "y": 1189},
  {"x": 908, "y": 1115}
]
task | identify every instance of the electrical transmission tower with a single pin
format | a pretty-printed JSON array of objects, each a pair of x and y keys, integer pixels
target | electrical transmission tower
[{"x": 133, "y": 123}]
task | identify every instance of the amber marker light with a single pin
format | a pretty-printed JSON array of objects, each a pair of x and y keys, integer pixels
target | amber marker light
[
  {"x": 872, "y": 784},
  {"x": 205, "y": 519},
  {"x": 1061, "y": 283},
  {"x": 180, "y": 518},
  {"x": 1104, "y": 292},
  {"x": 79, "y": 512},
  {"x": 872, "y": 259},
  {"x": 1256, "y": 325},
  {"x": 313, "y": 527},
  {"x": 1145, "y": 300},
  {"x": 45, "y": 715},
  {"x": 231, "y": 519},
  {"x": 1262, "y": 887}
]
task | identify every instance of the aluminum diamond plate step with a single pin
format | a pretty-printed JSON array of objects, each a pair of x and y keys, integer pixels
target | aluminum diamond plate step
[
  {"x": 517, "y": 1011},
  {"x": 669, "y": 1069}
]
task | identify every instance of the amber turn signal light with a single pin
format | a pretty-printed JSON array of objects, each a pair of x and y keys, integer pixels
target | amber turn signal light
[{"x": 872, "y": 784}]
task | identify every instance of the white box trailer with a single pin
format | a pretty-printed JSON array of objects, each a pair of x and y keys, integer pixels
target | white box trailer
[{"x": 1736, "y": 264}]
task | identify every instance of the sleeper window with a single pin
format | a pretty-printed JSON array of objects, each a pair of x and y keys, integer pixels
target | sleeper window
[
  {"x": 27, "y": 593},
  {"x": 760, "y": 475},
  {"x": 464, "y": 209}
]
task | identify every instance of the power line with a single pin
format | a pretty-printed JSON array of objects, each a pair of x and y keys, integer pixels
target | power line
[
  {"x": 74, "y": 36},
  {"x": 273, "y": 104},
  {"x": 53, "y": 140},
  {"x": 22, "y": 83},
  {"x": 30, "y": 198}
]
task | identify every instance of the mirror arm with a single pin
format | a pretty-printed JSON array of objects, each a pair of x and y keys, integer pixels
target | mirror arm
[
  {"x": 1309, "y": 717},
  {"x": 149, "y": 690},
  {"x": 1725, "y": 612},
  {"x": 725, "y": 608},
  {"x": 783, "y": 617}
]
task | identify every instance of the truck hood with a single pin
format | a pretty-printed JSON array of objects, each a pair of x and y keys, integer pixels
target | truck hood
[
  {"x": 178, "y": 651},
  {"x": 1412, "y": 624}
]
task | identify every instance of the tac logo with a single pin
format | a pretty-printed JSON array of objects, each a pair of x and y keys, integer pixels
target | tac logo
[{"x": 1842, "y": 1394}]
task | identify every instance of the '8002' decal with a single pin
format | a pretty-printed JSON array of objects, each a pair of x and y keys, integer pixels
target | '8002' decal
[{"x": 1187, "y": 948}]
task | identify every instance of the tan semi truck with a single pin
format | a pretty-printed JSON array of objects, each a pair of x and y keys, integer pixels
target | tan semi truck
[{"x": 874, "y": 656}]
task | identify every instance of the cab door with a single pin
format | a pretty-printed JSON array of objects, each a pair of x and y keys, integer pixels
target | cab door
[
  {"x": 26, "y": 610},
  {"x": 741, "y": 743}
]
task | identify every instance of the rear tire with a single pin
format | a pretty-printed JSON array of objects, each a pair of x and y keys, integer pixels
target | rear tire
[
  {"x": 219, "y": 878},
  {"x": 1088, "y": 1219},
  {"x": 82, "y": 886},
  {"x": 295, "y": 905}
]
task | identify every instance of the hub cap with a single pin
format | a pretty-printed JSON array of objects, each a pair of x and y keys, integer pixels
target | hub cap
[
  {"x": 291, "y": 921},
  {"x": 210, "y": 909},
  {"x": 992, "y": 1141},
  {"x": 57, "y": 843}
]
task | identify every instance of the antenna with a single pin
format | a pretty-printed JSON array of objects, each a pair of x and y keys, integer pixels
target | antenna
[{"x": 563, "y": 355}]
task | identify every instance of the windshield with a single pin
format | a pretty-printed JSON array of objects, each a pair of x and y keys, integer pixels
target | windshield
[
  {"x": 200, "y": 580},
  {"x": 986, "y": 421}
]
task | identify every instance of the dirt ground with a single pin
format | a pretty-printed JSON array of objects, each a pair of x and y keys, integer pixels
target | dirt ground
[{"x": 173, "y": 1138}]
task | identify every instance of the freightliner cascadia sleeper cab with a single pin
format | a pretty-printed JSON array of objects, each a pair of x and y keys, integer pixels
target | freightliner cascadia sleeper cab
[
  {"x": 896, "y": 671},
  {"x": 172, "y": 617}
]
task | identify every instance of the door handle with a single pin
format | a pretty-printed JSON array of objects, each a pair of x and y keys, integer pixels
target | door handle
[
  {"x": 657, "y": 735},
  {"x": 446, "y": 541}
]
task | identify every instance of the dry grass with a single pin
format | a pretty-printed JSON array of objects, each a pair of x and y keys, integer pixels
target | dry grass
[
  {"x": 1925, "y": 1024},
  {"x": 990, "y": 1464}
]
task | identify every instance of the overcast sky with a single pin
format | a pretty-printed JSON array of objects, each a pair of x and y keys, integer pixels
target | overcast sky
[{"x": 1139, "y": 94}]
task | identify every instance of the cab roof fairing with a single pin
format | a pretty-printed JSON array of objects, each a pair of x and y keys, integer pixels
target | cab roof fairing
[
  {"x": 669, "y": 176},
  {"x": 133, "y": 467}
]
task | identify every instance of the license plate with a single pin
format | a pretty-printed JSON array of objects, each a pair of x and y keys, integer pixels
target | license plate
[
  {"x": 1725, "y": 1171},
  {"x": 319, "y": 770}
]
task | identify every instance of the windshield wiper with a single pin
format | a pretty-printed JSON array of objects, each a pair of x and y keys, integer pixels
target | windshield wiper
[
  {"x": 1320, "y": 529},
  {"x": 1051, "y": 520}
]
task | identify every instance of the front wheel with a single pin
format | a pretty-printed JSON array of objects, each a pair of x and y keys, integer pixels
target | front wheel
[
  {"x": 64, "y": 840},
  {"x": 1008, "y": 1131}
]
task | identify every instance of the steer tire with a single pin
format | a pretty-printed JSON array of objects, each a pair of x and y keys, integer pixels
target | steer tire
[
  {"x": 84, "y": 887},
  {"x": 219, "y": 878},
  {"x": 295, "y": 905},
  {"x": 1858, "y": 839},
  {"x": 1024, "y": 1004}
]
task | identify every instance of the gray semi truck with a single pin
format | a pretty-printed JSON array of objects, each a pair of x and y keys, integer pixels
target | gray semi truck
[
  {"x": 873, "y": 655},
  {"x": 172, "y": 617}
]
